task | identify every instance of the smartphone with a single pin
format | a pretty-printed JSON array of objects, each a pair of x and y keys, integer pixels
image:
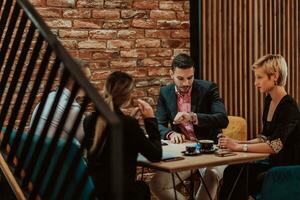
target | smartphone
[
  {"x": 224, "y": 153},
  {"x": 172, "y": 159}
]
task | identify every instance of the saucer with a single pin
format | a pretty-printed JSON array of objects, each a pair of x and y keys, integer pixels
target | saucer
[
  {"x": 212, "y": 150},
  {"x": 191, "y": 154}
]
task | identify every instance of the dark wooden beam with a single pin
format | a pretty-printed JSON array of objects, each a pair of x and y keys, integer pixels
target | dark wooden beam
[{"x": 196, "y": 35}]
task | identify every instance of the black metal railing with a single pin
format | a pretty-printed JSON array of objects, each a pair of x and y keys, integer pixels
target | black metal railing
[{"x": 30, "y": 58}]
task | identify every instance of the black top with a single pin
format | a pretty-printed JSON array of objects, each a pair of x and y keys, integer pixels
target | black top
[
  {"x": 285, "y": 125},
  {"x": 134, "y": 142},
  {"x": 205, "y": 102}
]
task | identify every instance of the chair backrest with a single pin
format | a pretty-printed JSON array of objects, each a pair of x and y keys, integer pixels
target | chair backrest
[
  {"x": 281, "y": 183},
  {"x": 70, "y": 183},
  {"x": 237, "y": 128}
]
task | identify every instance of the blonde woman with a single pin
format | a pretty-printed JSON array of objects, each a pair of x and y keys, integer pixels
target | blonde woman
[
  {"x": 118, "y": 89},
  {"x": 280, "y": 136}
]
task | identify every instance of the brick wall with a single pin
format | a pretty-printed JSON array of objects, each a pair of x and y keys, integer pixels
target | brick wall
[{"x": 136, "y": 36}]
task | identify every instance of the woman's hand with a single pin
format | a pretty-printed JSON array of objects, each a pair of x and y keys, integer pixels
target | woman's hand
[
  {"x": 226, "y": 142},
  {"x": 145, "y": 108}
]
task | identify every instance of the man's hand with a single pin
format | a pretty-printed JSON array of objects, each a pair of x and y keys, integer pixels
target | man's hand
[
  {"x": 177, "y": 138},
  {"x": 182, "y": 117}
]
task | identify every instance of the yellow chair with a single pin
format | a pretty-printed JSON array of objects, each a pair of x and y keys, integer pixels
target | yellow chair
[{"x": 237, "y": 128}]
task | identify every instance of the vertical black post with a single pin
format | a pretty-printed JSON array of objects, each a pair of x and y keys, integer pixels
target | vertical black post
[{"x": 196, "y": 35}]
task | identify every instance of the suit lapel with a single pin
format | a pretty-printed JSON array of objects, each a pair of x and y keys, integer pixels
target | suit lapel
[
  {"x": 194, "y": 99},
  {"x": 173, "y": 104}
]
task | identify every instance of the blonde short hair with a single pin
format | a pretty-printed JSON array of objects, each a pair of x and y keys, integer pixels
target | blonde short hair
[{"x": 272, "y": 63}]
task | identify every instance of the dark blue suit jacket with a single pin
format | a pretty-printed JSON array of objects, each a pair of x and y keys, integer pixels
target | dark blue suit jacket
[{"x": 206, "y": 103}]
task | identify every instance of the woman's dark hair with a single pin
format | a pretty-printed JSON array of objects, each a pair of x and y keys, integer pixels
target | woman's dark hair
[
  {"x": 182, "y": 61},
  {"x": 118, "y": 87}
]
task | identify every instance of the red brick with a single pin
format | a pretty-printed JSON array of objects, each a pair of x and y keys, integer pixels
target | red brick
[
  {"x": 167, "y": 63},
  {"x": 128, "y": 14},
  {"x": 87, "y": 23},
  {"x": 119, "y": 44},
  {"x": 138, "y": 93},
  {"x": 106, "y": 54},
  {"x": 182, "y": 15},
  {"x": 76, "y": 13},
  {"x": 173, "y": 43},
  {"x": 134, "y": 53},
  {"x": 91, "y": 44},
  {"x": 141, "y": 83},
  {"x": 73, "y": 33},
  {"x": 184, "y": 34},
  {"x": 170, "y": 5},
  {"x": 128, "y": 34},
  {"x": 145, "y": 5},
  {"x": 158, "y": 71},
  {"x": 143, "y": 23},
  {"x": 114, "y": 24},
  {"x": 90, "y": 4},
  {"x": 185, "y": 25},
  {"x": 123, "y": 63},
  {"x": 49, "y": 12},
  {"x": 186, "y": 6},
  {"x": 161, "y": 81},
  {"x": 69, "y": 44},
  {"x": 61, "y": 3},
  {"x": 149, "y": 62},
  {"x": 159, "y": 52},
  {"x": 106, "y": 14},
  {"x": 59, "y": 23},
  {"x": 103, "y": 34},
  {"x": 101, "y": 74},
  {"x": 99, "y": 65},
  {"x": 37, "y": 2},
  {"x": 144, "y": 43},
  {"x": 178, "y": 51},
  {"x": 121, "y": 4},
  {"x": 139, "y": 73},
  {"x": 157, "y": 33},
  {"x": 153, "y": 91},
  {"x": 162, "y": 14},
  {"x": 86, "y": 55},
  {"x": 169, "y": 24}
]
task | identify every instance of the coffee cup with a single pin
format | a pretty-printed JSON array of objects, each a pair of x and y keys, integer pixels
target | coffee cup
[
  {"x": 190, "y": 148},
  {"x": 206, "y": 145}
]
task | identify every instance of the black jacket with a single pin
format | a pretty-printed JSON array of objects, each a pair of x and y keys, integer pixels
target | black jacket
[
  {"x": 205, "y": 102},
  {"x": 285, "y": 125},
  {"x": 134, "y": 142}
]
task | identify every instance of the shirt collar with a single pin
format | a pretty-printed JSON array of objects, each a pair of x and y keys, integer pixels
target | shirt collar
[{"x": 181, "y": 94}]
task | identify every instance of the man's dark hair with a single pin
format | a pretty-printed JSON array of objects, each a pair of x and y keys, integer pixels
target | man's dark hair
[{"x": 182, "y": 61}]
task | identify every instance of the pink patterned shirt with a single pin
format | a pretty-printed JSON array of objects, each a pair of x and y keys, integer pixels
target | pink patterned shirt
[{"x": 184, "y": 105}]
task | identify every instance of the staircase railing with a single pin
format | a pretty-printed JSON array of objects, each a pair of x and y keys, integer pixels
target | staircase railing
[{"x": 30, "y": 58}]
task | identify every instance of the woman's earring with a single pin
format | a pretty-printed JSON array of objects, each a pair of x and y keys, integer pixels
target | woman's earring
[{"x": 275, "y": 82}]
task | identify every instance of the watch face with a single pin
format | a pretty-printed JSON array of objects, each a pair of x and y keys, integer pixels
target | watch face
[{"x": 245, "y": 147}]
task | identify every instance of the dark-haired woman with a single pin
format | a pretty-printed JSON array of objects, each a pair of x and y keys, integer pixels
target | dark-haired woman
[{"x": 117, "y": 93}]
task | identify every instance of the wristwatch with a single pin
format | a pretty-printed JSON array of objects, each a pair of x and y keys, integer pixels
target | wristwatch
[
  {"x": 245, "y": 147},
  {"x": 193, "y": 117}
]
